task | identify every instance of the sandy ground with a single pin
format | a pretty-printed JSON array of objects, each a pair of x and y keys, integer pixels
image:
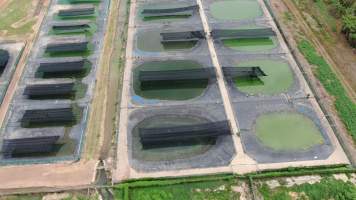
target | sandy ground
[
  {"x": 46, "y": 176},
  {"x": 3, "y": 3}
]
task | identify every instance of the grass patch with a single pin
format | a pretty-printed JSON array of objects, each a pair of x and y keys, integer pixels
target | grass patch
[
  {"x": 328, "y": 188},
  {"x": 17, "y": 11},
  {"x": 217, "y": 187},
  {"x": 346, "y": 109},
  {"x": 217, "y": 190}
]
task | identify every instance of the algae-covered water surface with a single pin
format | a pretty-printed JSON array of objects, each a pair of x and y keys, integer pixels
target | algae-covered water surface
[
  {"x": 287, "y": 131},
  {"x": 150, "y": 41},
  {"x": 251, "y": 44},
  {"x": 175, "y": 151},
  {"x": 279, "y": 78},
  {"x": 183, "y": 90},
  {"x": 235, "y": 10}
]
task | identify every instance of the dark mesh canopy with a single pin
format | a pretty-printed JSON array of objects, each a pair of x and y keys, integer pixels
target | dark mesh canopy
[
  {"x": 182, "y": 36},
  {"x": 186, "y": 74},
  {"x": 151, "y": 137},
  {"x": 16, "y": 147},
  {"x": 57, "y": 116},
  {"x": 62, "y": 66},
  {"x": 48, "y": 90},
  {"x": 70, "y": 26},
  {"x": 242, "y": 33},
  {"x": 243, "y": 72},
  {"x": 4, "y": 58},
  {"x": 83, "y": 11},
  {"x": 83, "y": 1},
  {"x": 187, "y": 10},
  {"x": 67, "y": 47}
]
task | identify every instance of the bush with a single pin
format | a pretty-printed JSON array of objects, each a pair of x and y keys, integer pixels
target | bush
[{"x": 345, "y": 107}]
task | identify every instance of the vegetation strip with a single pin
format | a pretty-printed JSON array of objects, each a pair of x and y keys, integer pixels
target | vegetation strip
[
  {"x": 123, "y": 190},
  {"x": 345, "y": 107}
]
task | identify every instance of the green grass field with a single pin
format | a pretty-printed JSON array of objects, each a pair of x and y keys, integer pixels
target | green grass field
[
  {"x": 200, "y": 190},
  {"x": 17, "y": 11},
  {"x": 287, "y": 131}
]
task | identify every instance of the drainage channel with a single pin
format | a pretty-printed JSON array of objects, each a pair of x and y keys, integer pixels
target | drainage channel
[
  {"x": 219, "y": 74},
  {"x": 102, "y": 181}
]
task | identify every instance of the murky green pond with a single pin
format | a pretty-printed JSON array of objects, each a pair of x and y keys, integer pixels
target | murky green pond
[
  {"x": 176, "y": 151},
  {"x": 279, "y": 78},
  {"x": 151, "y": 41},
  {"x": 173, "y": 90},
  {"x": 287, "y": 131},
  {"x": 236, "y": 10},
  {"x": 251, "y": 44}
]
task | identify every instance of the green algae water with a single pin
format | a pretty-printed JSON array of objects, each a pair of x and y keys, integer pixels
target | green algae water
[
  {"x": 169, "y": 152},
  {"x": 251, "y": 44},
  {"x": 235, "y": 10},
  {"x": 279, "y": 78},
  {"x": 287, "y": 131},
  {"x": 151, "y": 41},
  {"x": 173, "y": 90}
]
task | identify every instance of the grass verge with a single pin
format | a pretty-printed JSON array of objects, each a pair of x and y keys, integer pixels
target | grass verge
[{"x": 345, "y": 107}]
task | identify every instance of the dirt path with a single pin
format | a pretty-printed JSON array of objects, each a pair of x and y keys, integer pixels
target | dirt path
[
  {"x": 318, "y": 45},
  {"x": 3, "y": 3},
  {"x": 46, "y": 177},
  {"x": 99, "y": 135}
]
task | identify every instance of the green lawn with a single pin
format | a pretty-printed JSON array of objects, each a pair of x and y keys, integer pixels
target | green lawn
[
  {"x": 15, "y": 11},
  {"x": 279, "y": 78},
  {"x": 287, "y": 131}
]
